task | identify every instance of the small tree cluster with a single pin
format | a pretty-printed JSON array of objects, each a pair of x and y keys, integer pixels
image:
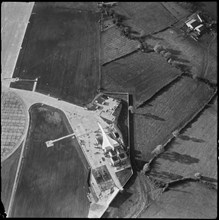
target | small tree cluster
[{"x": 159, "y": 149}]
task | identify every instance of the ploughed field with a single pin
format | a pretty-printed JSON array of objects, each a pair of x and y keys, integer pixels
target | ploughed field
[
  {"x": 61, "y": 46},
  {"x": 53, "y": 181},
  {"x": 168, "y": 111},
  {"x": 114, "y": 45},
  {"x": 194, "y": 150},
  {"x": 147, "y": 16},
  {"x": 141, "y": 74}
]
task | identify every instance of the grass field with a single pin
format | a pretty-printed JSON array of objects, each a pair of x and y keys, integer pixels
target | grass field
[
  {"x": 195, "y": 150},
  {"x": 176, "y": 10},
  {"x": 188, "y": 200},
  {"x": 211, "y": 8},
  {"x": 8, "y": 172},
  {"x": 139, "y": 74},
  {"x": 114, "y": 45},
  {"x": 61, "y": 46},
  {"x": 147, "y": 16},
  {"x": 166, "y": 112},
  {"x": 53, "y": 181}
]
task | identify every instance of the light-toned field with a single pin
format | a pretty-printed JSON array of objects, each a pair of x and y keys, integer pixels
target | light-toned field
[
  {"x": 187, "y": 200},
  {"x": 167, "y": 112},
  {"x": 14, "y": 20},
  {"x": 195, "y": 150},
  {"x": 114, "y": 45},
  {"x": 139, "y": 74}
]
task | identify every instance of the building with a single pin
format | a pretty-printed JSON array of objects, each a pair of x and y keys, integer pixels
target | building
[{"x": 196, "y": 25}]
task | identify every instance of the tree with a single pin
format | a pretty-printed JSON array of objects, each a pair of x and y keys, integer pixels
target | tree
[
  {"x": 162, "y": 52},
  {"x": 158, "y": 48},
  {"x": 159, "y": 149},
  {"x": 146, "y": 167},
  {"x": 167, "y": 55}
]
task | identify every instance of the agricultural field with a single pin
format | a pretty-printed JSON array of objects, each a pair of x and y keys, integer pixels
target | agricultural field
[
  {"x": 114, "y": 45},
  {"x": 53, "y": 181},
  {"x": 139, "y": 75},
  {"x": 168, "y": 111},
  {"x": 88, "y": 6},
  {"x": 211, "y": 8},
  {"x": 61, "y": 46},
  {"x": 186, "y": 200},
  {"x": 14, "y": 20},
  {"x": 8, "y": 173},
  {"x": 196, "y": 56},
  {"x": 194, "y": 150},
  {"x": 147, "y": 16},
  {"x": 176, "y": 10}
]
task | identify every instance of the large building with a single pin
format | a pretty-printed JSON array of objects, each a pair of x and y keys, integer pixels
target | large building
[{"x": 104, "y": 149}]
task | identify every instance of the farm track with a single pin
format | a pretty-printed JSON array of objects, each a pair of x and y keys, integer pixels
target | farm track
[{"x": 205, "y": 69}]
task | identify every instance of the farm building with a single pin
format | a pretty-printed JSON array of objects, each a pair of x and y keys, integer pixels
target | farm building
[{"x": 196, "y": 24}]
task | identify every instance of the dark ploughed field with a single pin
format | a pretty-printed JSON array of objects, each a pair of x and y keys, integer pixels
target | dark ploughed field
[{"x": 61, "y": 46}]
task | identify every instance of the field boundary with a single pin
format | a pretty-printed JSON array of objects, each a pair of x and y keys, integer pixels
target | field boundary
[{"x": 177, "y": 131}]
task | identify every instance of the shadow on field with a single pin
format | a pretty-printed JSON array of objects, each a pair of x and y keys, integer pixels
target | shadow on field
[
  {"x": 120, "y": 199},
  {"x": 153, "y": 37},
  {"x": 181, "y": 158},
  {"x": 174, "y": 52},
  {"x": 187, "y": 138},
  {"x": 155, "y": 117},
  {"x": 208, "y": 179},
  {"x": 165, "y": 175}
]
